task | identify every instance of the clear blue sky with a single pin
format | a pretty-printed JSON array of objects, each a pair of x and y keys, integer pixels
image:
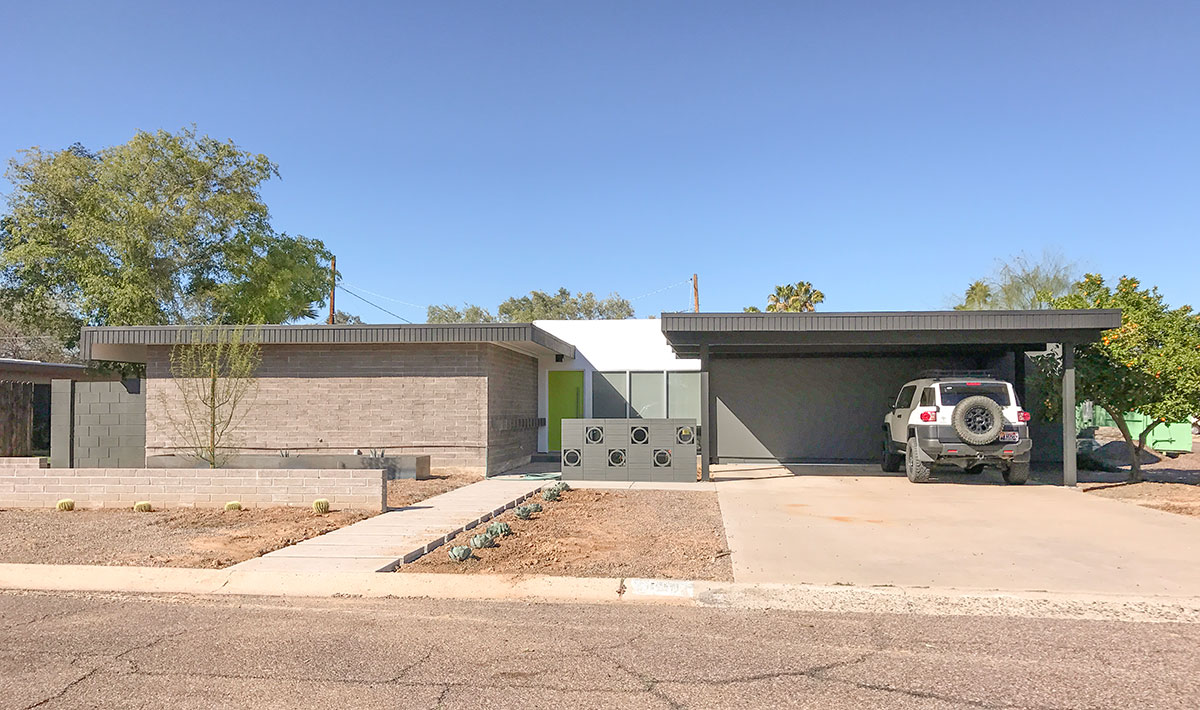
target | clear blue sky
[{"x": 889, "y": 152}]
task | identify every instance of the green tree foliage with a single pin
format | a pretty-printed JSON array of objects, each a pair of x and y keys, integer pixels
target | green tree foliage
[
  {"x": 167, "y": 228},
  {"x": 1021, "y": 284},
  {"x": 799, "y": 297},
  {"x": 1150, "y": 365},
  {"x": 538, "y": 305},
  {"x": 344, "y": 318}
]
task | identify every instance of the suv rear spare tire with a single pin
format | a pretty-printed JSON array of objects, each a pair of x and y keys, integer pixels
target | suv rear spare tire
[
  {"x": 917, "y": 470},
  {"x": 978, "y": 420}
]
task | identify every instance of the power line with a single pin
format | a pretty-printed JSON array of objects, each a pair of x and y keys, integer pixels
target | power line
[
  {"x": 374, "y": 305},
  {"x": 386, "y": 298},
  {"x": 660, "y": 290}
]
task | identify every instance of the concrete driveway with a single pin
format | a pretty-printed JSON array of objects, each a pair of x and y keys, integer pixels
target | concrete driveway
[{"x": 855, "y": 525}]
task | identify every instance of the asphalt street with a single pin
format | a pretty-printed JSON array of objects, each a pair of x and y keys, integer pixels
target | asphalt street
[{"x": 106, "y": 650}]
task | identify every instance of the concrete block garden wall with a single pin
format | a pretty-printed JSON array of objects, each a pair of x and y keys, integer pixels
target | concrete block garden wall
[
  {"x": 430, "y": 399},
  {"x": 25, "y": 483}
]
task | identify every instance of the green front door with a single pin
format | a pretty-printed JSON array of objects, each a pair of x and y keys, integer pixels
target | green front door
[{"x": 566, "y": 402}]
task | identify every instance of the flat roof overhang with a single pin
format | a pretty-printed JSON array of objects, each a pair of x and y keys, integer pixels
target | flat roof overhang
[
  {"x": 879, "y": 333},
  {"x": 42, "y": 373},
  {"x": 129, "y": 343}
]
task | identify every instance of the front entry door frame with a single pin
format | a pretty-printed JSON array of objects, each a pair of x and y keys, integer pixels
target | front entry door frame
[{"x": 565, "y": 401}]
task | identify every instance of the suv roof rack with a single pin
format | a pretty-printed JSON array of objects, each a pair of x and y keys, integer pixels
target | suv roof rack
[{"x": 938, "y": 374}]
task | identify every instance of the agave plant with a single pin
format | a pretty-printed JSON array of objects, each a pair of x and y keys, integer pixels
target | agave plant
[
  {"x": 483, "y": 540},
  {"x": 562, "y": 486},
  {"x": 460, "y": 553},
  {"x": 551, "y": 494},
  {"x": 535, "y": 507},
  {"x": 499, "y": 529},
  {"x": 523, "y": 512}
]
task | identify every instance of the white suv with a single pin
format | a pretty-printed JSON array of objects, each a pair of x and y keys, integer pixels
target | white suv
[{"x": 959, "y": 420}]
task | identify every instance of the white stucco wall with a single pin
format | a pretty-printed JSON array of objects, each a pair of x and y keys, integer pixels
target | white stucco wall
[{"x": 606, "y": 345}]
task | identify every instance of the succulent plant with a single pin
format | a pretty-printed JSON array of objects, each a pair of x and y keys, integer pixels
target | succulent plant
[
  {"x": 562, "y": 486},
  {"x": 523, "y": 512},
  {"x": 320, "y": 506},
  {"x": 535, "y": 507},
  {"x": 460, "y": 553},
  {"x": 551, "y": 494},
  {"x": 499, "y": 529},
  {"x": 233, "y": 505},
  {"x": 483, "y": 540},
  {"x": 143, "y": 506},
  {"x": 65, "y": 504}
]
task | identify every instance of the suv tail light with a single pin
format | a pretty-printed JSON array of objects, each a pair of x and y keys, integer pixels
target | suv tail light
[
  {"x": 1023, "y": 416},
  {"x": 929, "y": 416}
]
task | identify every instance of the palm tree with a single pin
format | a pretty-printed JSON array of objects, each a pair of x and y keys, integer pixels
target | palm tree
[{"x": 799, "y": 297}]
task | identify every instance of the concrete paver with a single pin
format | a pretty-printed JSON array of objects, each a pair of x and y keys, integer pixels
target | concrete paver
[
  {"x": 401, "y": 535},
  {"x": 852, "y": 525}
]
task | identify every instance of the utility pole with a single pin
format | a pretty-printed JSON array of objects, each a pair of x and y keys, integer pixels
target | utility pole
[
  {"x": 332, "y": 286},
  {"x": 695, "y": 293}
]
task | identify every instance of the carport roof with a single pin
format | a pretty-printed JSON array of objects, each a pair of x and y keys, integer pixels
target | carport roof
[
  {"x": 880, "y": 332},
  {"x": 129, "y": 343},
  {"x": 42, "y": 373}
]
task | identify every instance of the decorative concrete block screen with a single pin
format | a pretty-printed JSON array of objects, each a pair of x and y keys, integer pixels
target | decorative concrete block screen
[
  {"x": 629, "y": 449},
  {"x": 24, "y": 483}
]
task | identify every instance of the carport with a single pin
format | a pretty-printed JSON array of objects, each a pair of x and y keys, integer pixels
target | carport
[{"x": 813, "y": 387}]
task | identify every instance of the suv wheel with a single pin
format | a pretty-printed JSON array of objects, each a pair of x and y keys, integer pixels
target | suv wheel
[
  {"x": 1017, "y": 473},
  {"x": 917, "y": 470},
  {"x": 890, "y": 461}
]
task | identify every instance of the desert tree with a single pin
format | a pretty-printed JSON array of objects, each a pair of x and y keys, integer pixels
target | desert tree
[{"x": 214, "y": 370}]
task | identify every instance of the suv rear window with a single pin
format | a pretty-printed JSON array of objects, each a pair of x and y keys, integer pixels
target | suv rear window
[{"x": 956, "y": 392}]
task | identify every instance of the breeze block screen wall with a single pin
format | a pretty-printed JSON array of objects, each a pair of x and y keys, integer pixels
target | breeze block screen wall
[{"x": 629, "y": 449}]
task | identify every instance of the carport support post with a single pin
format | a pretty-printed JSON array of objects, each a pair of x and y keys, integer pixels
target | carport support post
[
  {"x": 707, "y": 440},
  {"x": 1068, "y": 414}
]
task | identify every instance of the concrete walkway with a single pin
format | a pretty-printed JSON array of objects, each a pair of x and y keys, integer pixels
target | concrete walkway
[{"x": 381, "y": 543}]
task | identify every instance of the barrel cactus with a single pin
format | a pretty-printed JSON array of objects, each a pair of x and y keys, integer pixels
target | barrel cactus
[
  {"x": 320, "y": 506},
  {"x": 483, "y": 540},
  {"x": 460, "y": 553},
  {"x": 551, "y": 494},
  {"x": 499, "y": 529},
  {"x": 523, "y": 512},
  {"x": 233, "y": 505},
  {"x": 65, "y": 504},
  {"x": 143, "y": 506}
]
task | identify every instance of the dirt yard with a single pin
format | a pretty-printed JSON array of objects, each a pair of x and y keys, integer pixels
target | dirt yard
[
  {"x": 181, "y": 537},
  {"x": 595, "y": 533},
  {"x": 1171, "y": 484},
  {"x": 406, "y": 492}
]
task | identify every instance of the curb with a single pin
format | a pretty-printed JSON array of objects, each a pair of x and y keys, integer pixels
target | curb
[{"x": 591, "y": 590}]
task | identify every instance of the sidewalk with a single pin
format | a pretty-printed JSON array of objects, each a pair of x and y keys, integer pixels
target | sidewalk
[{"x": 381, "y": 543}]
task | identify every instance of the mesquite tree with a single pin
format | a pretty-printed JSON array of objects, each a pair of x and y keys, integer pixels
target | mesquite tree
[
  {"x": 1150, "y": 365},
  {"x": 214, "y": 372}
]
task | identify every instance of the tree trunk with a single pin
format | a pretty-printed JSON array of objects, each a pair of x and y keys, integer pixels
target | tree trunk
[
  {"x": 16, "y": 419},
  {"x": 212, "y": 419},
  {"x": 1135, "y": 448}
]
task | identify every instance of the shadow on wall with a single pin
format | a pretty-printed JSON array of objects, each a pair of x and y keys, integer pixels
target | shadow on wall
[{"x": 816, "y": 409}]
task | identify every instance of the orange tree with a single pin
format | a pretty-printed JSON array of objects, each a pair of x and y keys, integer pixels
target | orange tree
[{"x": 1150, "y": 365}]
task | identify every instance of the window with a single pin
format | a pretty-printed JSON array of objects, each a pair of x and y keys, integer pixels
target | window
[
  {"x": 927, "y": 397},
  {"x": 683, "y": 395},
  {"x": 954, "y": 393},
  {"x": 905, "y": 398},
  {"x": 609, "y": 397},
  {"x": 647, "y": 395}
]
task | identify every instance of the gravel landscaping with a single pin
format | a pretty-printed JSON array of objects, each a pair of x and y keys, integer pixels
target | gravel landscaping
[
  {"x": 179, "y": 537},
  {"x": 1171, "y": 484},
  {"x": 602, "y": 533}
]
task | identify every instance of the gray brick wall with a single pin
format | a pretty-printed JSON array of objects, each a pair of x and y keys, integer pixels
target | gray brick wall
[
  {"x": 512, "y": 409},
  {"x": 23, "y": 484},
  {"x": 412, "y": 399},
  {"x": 110, "y": 426}
]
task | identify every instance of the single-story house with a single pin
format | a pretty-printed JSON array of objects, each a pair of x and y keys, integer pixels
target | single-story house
[{"x": 785, "y": 387}]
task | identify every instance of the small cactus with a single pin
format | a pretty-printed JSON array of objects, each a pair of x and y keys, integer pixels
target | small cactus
[
  {"x": 499, "y": 529},
  {"x": 320, "y": 506},
  {"x": 483, "y": 540},
  {"x": 535, "y": 507},
  {"x": 233, "y": 505},
  {"x": 551, "y": 494},
  {"x": 65, "y": 504},
  {"x": 460, "y": 553},
  {"x": 523, "y": 512},
  {"x": 143, "y": 506}
]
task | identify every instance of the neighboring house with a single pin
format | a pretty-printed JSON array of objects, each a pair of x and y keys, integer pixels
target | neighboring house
[{"x": 786, "y": 387}]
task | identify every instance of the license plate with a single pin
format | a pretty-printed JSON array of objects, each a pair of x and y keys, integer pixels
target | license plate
[{"x": 1009, "y": 436}]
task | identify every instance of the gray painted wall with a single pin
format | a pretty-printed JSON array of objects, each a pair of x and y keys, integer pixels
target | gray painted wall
[
  {"x": 814, "y": 409},
  {"x": 110, "y": 426}
]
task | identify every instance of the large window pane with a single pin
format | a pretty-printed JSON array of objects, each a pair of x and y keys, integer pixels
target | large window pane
[
  {"x": 608, "y": 395},
  {"x": 683, "y": 395},
  {"x": 647, "y": 395}
]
